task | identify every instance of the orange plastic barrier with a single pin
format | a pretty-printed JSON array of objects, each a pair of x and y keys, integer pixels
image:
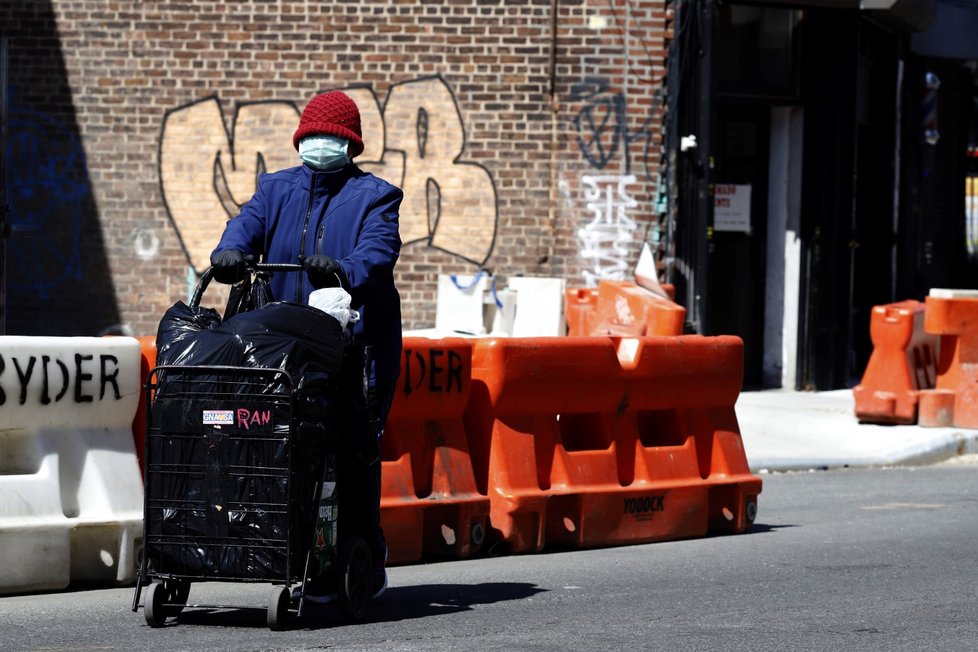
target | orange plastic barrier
[
  {"x": 953, "y": 315},
  {"x": 621, "y": 308},
  {"x": 579, "y": 305},
  {"x": 936, "y": 408},
  {"x": 147, "y": 349},
  {"x": 430, "y": 503},
  {"x": 903, "y": 362},
  {"x": 575, "y": 447}
]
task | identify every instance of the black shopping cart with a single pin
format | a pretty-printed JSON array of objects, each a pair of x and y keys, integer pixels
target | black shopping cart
[{"x": 241, "y": 460}]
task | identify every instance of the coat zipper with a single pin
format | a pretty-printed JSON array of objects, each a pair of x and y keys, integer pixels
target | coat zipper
[
  {"x": 319, "y": 237},
  {"x": 302, "y": 239}
]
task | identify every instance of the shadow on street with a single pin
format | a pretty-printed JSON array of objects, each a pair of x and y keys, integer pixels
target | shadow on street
[{"x": 398, "y": 603}]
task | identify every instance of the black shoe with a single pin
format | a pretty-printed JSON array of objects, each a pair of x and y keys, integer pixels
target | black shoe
[{"x": 319, "y": 591}]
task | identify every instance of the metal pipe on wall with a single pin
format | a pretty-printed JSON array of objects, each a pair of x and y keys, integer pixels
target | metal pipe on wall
[{"x": 548, "y": 257}]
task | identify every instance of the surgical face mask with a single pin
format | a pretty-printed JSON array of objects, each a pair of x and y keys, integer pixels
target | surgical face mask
[{"x": 323, "y": 152}]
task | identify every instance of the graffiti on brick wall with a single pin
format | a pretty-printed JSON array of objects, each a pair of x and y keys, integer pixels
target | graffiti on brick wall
[
  {"x": 607, "y": 238},
  {"x": 416, "y": 141},
  {"x": 47, "y": 189},
  {"x": 601, "y": 126},
  {"x": 145, "y": 242},
  {"x": 446, "y": 201},
  {"x": 207, "y": 173}
]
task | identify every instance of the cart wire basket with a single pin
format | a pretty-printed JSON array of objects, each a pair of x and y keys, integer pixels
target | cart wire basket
[{"x": 240, "y": 485}]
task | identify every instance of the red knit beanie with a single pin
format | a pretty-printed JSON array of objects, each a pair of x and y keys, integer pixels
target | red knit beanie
[{"x": 333, "y": 114}]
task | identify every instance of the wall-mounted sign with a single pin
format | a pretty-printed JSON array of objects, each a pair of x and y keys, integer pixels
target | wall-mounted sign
[{"x": 731, "y": 207}]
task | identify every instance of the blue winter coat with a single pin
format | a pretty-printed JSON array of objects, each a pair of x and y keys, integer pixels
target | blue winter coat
[{"x": 346, "y": 214}]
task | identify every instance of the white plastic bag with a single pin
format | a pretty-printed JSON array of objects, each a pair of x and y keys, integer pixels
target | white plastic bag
[{"x": 335, "y": 302}]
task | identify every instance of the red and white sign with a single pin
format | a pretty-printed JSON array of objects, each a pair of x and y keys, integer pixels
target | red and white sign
[{"x": 731, "y": 207}]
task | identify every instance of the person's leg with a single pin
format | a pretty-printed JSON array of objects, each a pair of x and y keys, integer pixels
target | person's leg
[
  {"x": 378, "y": 543},
  {"x": 348, "y": 426}
]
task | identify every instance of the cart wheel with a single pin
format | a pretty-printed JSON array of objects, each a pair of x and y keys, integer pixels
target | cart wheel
[
  {"x": 176, "y": 594},
  {"x": 278, "y": 608},
  {"x": 153, "y": 607},
  {"x": 356, "y": 575}
]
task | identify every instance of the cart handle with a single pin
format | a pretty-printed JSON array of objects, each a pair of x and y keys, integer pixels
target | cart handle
[{"x": 253, "y": 268}]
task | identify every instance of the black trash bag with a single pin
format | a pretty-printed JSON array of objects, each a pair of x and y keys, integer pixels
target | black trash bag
[
  {"x": 249, "y": 295},
  {"x": 220, "y": 498},
  {"x": 291, "y": 337},
  {"x": 218, "y": 503},
  {"x": 189, "y": 335}
]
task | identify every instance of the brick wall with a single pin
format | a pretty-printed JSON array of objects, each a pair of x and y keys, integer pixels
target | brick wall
[{"x": 137, "y": 129}]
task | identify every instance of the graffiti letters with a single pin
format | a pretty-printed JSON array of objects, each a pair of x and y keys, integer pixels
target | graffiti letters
[
  {"x": 145, "y": 243},
  {"x": 205, "y": 178},
  {"x": 449, "y": 203},
  {"x": 58, "y": 376},
  {"x": 435, "y": 370},
  {"x": 605, "y": 141},
  {"x": 415, "y": 141},
  {"x": 248, "y": 418},
  {"x": 602, "y": 126},
  {"x": 607, "y": 238}
]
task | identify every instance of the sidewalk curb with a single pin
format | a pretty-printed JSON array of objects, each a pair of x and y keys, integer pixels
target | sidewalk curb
[
  {"x": 797, "y": 431},
  {"x": 922, "y": 454}
]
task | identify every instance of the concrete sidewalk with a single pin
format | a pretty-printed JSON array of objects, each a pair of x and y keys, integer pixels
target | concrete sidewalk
[{"x": 786, "y": 430}]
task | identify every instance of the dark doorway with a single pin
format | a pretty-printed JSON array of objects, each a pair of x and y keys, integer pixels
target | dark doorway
[
  {"x": 738, "y": 242},
  {"x": 872, "y": 248},
  {"x": 848, "y": 211},
  {"x": 828, "y": 183}
]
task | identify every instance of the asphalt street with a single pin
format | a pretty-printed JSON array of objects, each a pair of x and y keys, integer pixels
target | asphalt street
[{"x": 860, "y": 559}]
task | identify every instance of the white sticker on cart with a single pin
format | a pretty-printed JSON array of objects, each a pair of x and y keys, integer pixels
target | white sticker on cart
[{"x": 218, "y": 417}]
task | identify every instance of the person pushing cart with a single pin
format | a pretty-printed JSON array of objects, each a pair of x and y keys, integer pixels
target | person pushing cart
[
  {"x": 341, "y": 224},
  {"x": 264, "y": 428}
]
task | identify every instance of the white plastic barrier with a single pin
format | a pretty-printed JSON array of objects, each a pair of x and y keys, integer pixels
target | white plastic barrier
[
  {"x": 461, "y": 304},
  {"x": 539, "y": 306},
  {"x": 71, "y": 494},
  {"x": 530, "y": 306}
]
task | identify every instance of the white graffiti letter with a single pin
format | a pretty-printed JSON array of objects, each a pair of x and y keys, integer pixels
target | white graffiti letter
[{"x": 606, "y": 239}]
